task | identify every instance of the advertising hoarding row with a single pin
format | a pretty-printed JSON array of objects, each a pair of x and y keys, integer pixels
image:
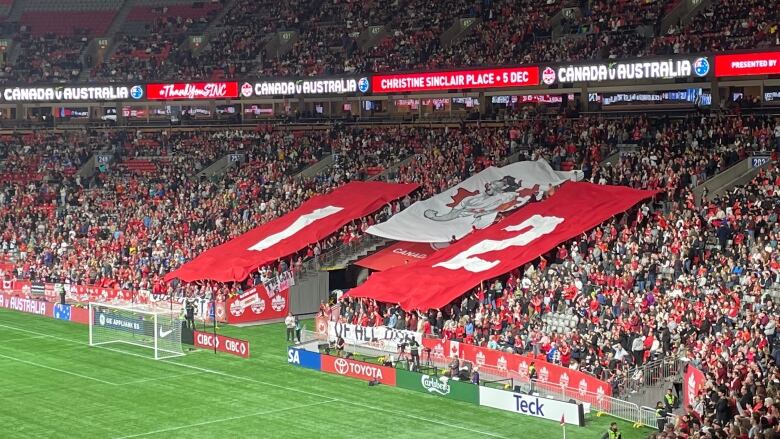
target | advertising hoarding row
[
  {"x": 441, "y": 386},
  {"x": 598, "y": 72},
  {"x": 228, "y": 345}
]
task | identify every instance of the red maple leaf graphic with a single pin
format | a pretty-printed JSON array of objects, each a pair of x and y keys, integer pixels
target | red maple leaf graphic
[
  {"x": 528, "y": 192},
  {"x": 460, "y": 195}
]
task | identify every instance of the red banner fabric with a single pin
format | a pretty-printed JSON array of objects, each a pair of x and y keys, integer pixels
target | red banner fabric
[
  {"x": 358, "y": 369},
  {"x": 257, "y": 304},
  {"x": 573, "y": 380},
  {"x": 315, "y": 220},
  {"x": 693, "y": 383},
  {"x": 228, "y": 345},
  {"x": 401, "y": 253},
  {"x": 94, "y": 293},
  {"x": 485, "y": 254}
]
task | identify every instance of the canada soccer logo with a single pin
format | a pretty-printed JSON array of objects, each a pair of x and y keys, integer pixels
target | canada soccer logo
[
  {"x": 278, "y": 303},
  {"x": 600, "y": 393},
  {"x": 522, "y": 369},
  {"x": 322, "y": 327},
  {"x": 544, "y": 374},
  {"x": 237, "y": 309},
  {"x": 341, "y": 366},
  {"x": 501, "y": 363},
  {"x": 548, "y": 76},
  {"x": 583, "y": 388},
  {"x": 246, "y": 90},
  {"x": 438, "y": 351},
  {"x": 259, "y": 306},
  {"x": 564, "y": 380},
  {"x": 480, "y": 359}
]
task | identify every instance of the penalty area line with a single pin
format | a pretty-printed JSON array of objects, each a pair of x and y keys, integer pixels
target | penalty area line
[{"x": 232, "y": 418}]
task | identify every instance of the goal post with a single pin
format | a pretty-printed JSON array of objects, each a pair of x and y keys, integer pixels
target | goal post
[{"x": 135, "y": 325}]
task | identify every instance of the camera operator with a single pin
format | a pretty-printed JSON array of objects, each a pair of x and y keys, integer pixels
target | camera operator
[
  {"x": 190, "y": 310},
  {"x": 340, "y": 343},
  {"x": 414, "y": 348}
]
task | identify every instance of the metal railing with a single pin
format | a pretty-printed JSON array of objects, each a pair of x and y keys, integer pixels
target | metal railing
[
  {"x": 337, "y": 254},
  {"x": 651, "y": 374},
  {"x": 610, "y": 405},
  {"x": 648, "y": 417}
]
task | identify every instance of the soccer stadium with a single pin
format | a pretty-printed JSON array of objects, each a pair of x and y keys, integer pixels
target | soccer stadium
[{"x": 414, "y": 219}]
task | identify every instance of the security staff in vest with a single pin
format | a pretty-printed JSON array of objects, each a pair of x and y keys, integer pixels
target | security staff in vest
[
  {"x": 661, "y": 415},
  {"x": 532, "y": 375},
  {"x": 613, "y": 432},
  {"x": 670, "y": 401},
  {"x": 414, "y": 348}
]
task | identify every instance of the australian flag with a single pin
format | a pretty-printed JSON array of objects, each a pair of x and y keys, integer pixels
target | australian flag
[{"x": 62, "y": 312}]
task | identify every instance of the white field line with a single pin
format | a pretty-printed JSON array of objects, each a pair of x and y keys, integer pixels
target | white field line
[
  {"x": 32, "y": 363},
  {"x": 21, "y": 339},
  {"x": 232, "y": 418},
  {"x": 278, "y": 386},
  {"x": 160, "y": 378}
]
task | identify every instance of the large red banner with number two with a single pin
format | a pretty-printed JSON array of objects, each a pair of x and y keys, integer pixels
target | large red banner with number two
[{"x": 488, "y": 253}]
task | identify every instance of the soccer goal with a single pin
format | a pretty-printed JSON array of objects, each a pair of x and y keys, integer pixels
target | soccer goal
[{"x": 137, "y": 326}]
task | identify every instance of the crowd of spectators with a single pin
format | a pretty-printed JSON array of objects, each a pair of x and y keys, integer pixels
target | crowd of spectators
[
  {"x": 335, "y": 37},
  {"x": 676, "y": 277},
  {"x": 724, "y": 25},
  {"x": 48, "y": 58}
]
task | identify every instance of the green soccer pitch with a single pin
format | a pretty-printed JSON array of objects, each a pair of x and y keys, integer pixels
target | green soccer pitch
[{"x": 53, "y": 385}]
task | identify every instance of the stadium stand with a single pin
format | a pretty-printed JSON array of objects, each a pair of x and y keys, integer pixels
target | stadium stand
[
  {"x": 688, "y": 276},
  {"x": 329, "y": 39}
]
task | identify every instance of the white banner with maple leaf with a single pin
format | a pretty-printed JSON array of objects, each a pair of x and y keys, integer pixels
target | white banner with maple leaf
[{"x": 474, "y": 203}]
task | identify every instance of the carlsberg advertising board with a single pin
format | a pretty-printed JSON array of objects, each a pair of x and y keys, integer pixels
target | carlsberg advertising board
[{"x": 438, "y": 386}]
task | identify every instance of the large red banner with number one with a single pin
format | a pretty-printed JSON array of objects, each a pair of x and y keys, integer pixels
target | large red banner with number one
[{"x": 314, "y": 220}]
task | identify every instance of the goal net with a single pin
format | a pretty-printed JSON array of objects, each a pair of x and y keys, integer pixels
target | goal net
[{"x": 137, "y": 326}]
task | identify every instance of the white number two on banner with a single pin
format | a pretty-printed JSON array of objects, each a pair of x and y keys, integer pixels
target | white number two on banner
[{"x": 533, "y": 228}]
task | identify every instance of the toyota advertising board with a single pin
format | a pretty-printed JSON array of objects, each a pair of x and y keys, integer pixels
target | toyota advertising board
[
  {"x": 747, "y": 64},
  {"x": 192, "y": 91},
  {"x": 438, "y": 386},
  {"x": 358, "y": 369},
  {"x": 456, "y": 80}
]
